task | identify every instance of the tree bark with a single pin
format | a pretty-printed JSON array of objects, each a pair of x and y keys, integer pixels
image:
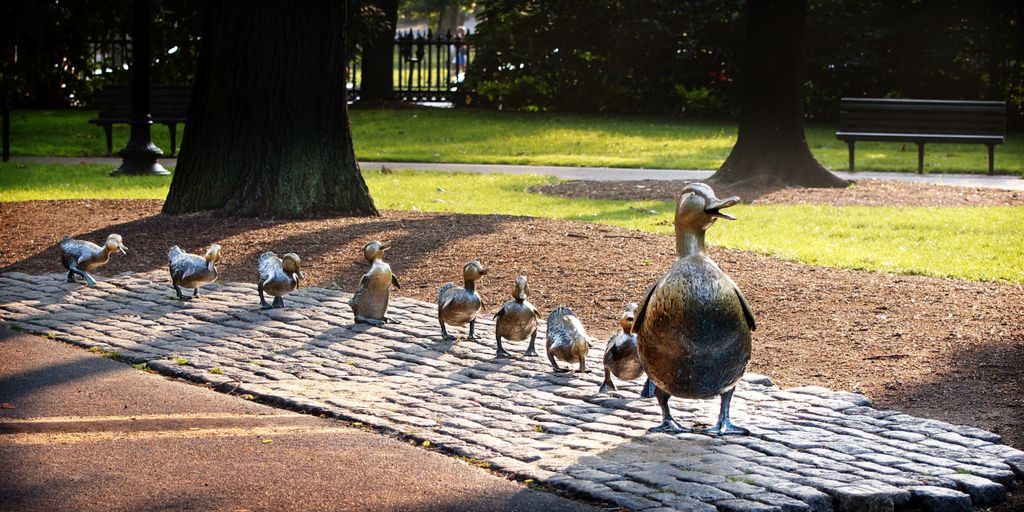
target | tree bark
[
  {"x": 771, "y": 148},
  {"x": 377, "y": 84},
  {"x": 448, "y": 19},
  {"x": 268, "y": 132}
]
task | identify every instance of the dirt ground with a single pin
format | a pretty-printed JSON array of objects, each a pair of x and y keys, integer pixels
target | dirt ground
[
  {"x": 867, "y": 192},
  {"x": 942, "y": 348}
]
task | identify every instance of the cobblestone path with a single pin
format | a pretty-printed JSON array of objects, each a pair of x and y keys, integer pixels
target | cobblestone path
[{"x": 811, "y": 448}]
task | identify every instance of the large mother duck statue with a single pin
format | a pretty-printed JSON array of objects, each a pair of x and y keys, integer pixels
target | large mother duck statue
[{"x": 693, "y": 328}]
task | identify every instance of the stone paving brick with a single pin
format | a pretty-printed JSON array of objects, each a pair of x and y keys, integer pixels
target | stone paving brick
[{"x": 811, "y": 449}]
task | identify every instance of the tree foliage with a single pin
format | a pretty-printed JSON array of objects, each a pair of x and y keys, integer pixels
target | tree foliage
[
  {"x": 665, "y": 56},
  {"x": 600, "y": 55}
]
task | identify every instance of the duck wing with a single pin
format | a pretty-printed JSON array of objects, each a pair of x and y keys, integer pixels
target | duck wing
[
  {"x": 268, "y": 266},
  {"x": 642, "y": 313},
  {"x": 445, "y": 296},
  {"x": 536, "y": 313},
  {"x": 748, "y": 314}
]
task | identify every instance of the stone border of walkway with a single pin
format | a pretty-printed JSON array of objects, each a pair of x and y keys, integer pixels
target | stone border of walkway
[{"x": 811, "y": 449}]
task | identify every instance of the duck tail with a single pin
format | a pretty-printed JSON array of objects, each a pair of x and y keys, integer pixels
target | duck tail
[
  {"x": 560, "y": 311},
  {"x": 173, "y": 251},
  {"x": 445, "y": 290}
]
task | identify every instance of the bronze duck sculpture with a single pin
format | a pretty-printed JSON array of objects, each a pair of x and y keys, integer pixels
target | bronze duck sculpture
[
  {"x": 693, "y": 328},
  {"x": 517, "y": 319},
  {"x": 567, "y": 339},
  {"x": 460, "y": 306},
  {"x": 278, "y": 277},
  {"x": 81, "y": 256},
  {"x": 192, "y": 270},
  {"x": 620, "y": 355},
  {"x": 369, "y": 303}
]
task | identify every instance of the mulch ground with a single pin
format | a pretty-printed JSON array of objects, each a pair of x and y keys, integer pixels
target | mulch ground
[
  {"x": 941, "y": 348},
  {"x": 866, "y": 192}
]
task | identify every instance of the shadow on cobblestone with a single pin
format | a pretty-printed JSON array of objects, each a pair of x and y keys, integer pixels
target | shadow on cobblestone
[{"x": 811, "y": 448}]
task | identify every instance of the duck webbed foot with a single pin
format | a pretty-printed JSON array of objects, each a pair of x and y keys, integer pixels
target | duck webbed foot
[
  {"x": 583, "y": 366},
  {"x": 531, "y": 351},
  {"x": 502, "y": 353},
  {"x": 195, "y": 293},
  {"x": 607, "y": 385},
  {"x": 724, "y": 427},
  {"x": 360, "y": 319},
  {"x": 181, "y": 296},
  {"x": 444, "y": 332},
  {"x": 668, "y": 425},
  {"x": 278, "y": 302},
  {"x": 554, "y": 365},
  {"x": 472, "y": 334},
  {"x": 389, "y": 320},
  {"x": 73, "y": 270}
]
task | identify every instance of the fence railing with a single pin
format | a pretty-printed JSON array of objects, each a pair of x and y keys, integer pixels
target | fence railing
[{"x": 427, "y": 67}]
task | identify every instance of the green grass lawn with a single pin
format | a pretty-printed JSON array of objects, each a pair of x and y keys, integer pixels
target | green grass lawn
[
  {"x": 540, "y": 138},
  {"x": 969, "y": 243}
]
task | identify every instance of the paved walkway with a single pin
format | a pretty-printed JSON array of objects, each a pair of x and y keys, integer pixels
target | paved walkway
[
  {"x": 82, "y": 432},
  {"x": 811, "y": 449},
  {"x": 609, "y": 173}
]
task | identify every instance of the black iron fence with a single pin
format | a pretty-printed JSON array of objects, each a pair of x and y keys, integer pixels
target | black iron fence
[{"x": 428, "y": 67}]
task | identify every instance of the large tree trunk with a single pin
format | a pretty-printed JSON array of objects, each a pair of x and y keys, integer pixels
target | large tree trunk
[
  {"x": 448, "y": 19},
  {"x": 268, "y": 132},
  {"x": 377, "y": 84},
  {"x": 771, "y": 148}
]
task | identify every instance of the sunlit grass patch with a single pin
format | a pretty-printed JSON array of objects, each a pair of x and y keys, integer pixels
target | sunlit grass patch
[
  {"x": 31, "y": 182},
  {"x": 538, "y": 138},
  {"x": 969, "y": 243}
]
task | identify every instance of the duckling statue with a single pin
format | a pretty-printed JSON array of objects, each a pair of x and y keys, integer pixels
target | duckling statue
[
  {"x": 693, "y": 328},
  {"x": 370, "y": 302},
  {"x": 192, "y": 270},
  {"x": 517, "y": 319},
  {"x": 278, "y": 277},
  {"x": 567, "y": 339},
  {"x": 81, "y": 256},
  {"x": 621, "y": 358},
  {"x": 460, "y": 306}
]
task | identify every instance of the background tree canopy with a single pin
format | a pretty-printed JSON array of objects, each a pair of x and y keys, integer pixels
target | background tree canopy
[
  {"x": 644, "y": 56},
  {"x": 670, "y": 57}
]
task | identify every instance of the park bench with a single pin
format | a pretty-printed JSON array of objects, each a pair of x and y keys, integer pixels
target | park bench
[
  {"x": 168, "y": 105},
  {"x": 921, "y": 122}
]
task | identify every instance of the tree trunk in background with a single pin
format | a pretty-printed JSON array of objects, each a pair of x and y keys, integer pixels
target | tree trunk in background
[
  {"x": 377, "y": 84},
  {"x": 771, "y": 148},
  {"x": 448, "y": 19},
  {"x": 268, "y": 132}
]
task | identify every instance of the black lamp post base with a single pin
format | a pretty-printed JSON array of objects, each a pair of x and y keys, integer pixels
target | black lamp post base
[
  {"x": 146, "y": 166},
  {"x": 139, "y": 156}
]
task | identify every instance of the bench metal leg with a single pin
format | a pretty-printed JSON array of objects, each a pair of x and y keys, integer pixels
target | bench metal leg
[
  {"x": 920, "y": 157},
  {"x": 849, "y": 144},
  {"x": 173, "y": 127},
  {"x": 991, "y": 158},
  {"x": 109, "y": 130}
]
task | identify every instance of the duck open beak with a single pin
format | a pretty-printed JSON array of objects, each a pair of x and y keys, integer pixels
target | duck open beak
[
  {"x": 713, "y": 209},
  {"x": 301, "y": 276},
  {"x": 385, "y": 247},
  {"x": 483, "y": 271},
  {"x": 122, "y": 249}
]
